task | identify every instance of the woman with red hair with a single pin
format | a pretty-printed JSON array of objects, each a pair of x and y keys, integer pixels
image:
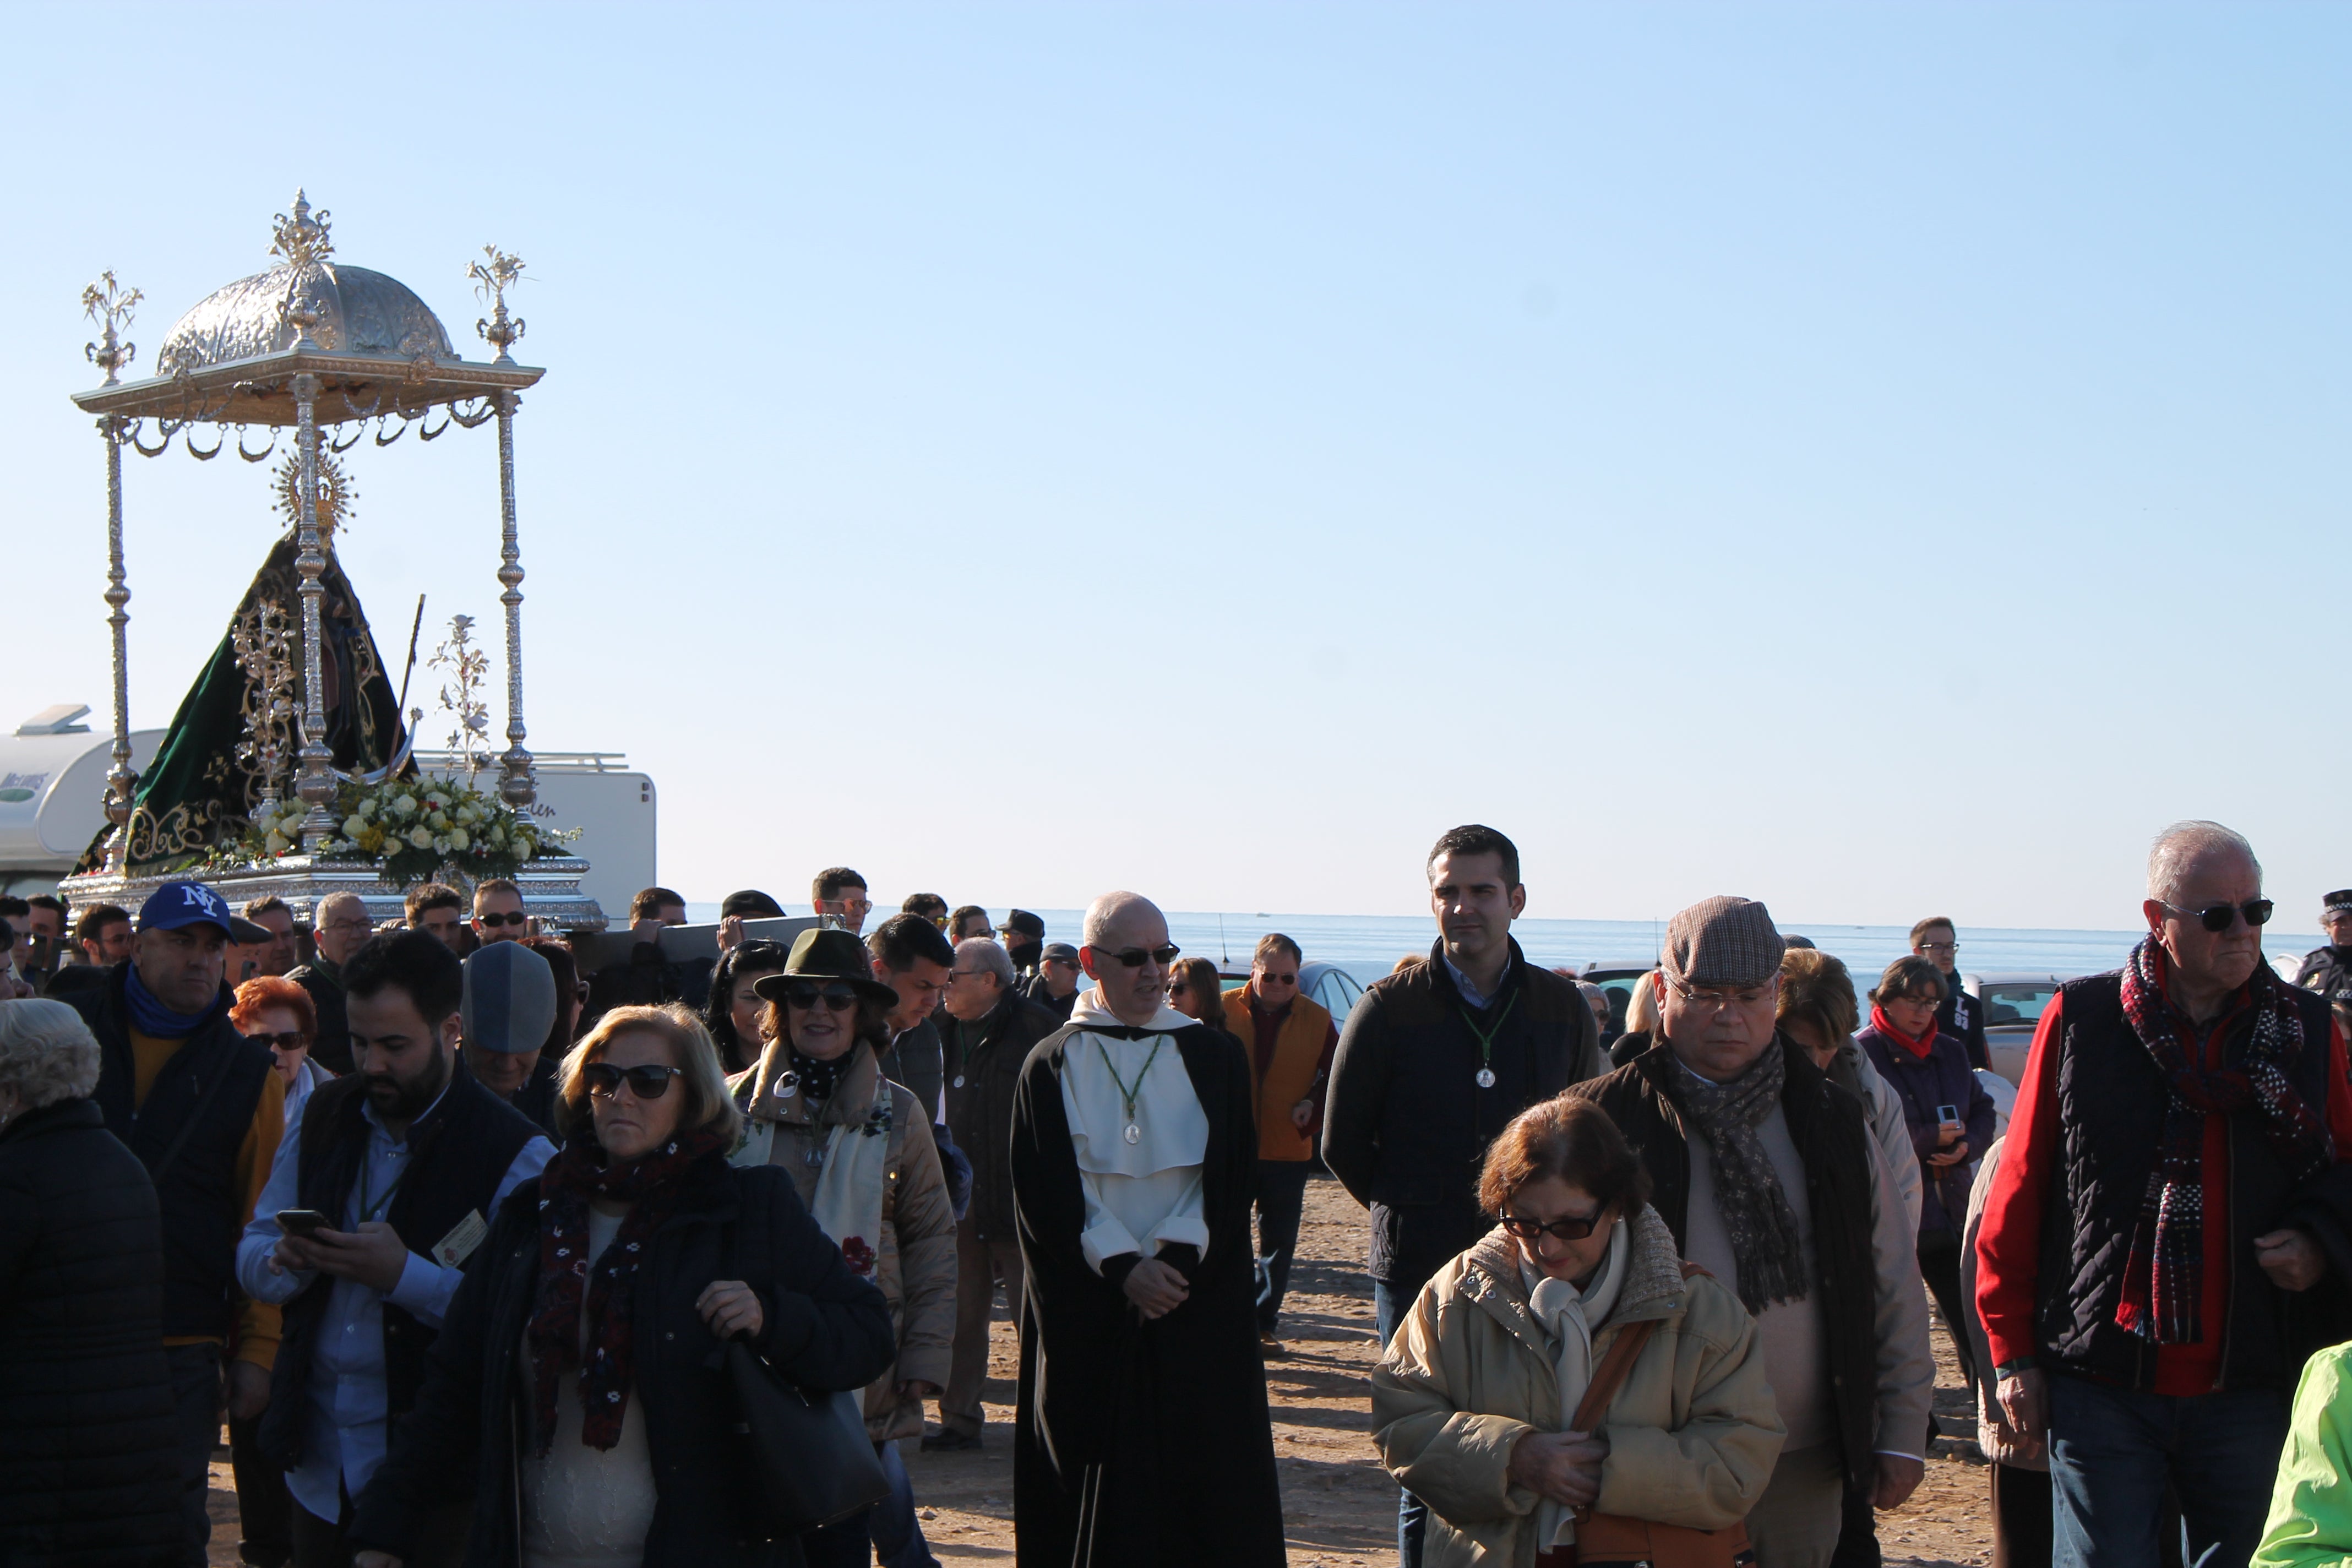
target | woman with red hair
[{"x": 279, "y": 1014}]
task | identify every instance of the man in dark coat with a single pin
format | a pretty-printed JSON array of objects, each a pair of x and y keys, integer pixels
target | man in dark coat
[
  {"x": 341, "y": 928},
  {"x": 1435, "y": 1061},
  {"x": 203, "y": 1108},
  {"x": 991, "y": 1031},
  {"x": 1960, "y": 1014},
  {"x": 1054, "y": 986},
  {"x": 2328, "y": 970},
  {"x": 507, "y": 1017},
  {"x": 1142, "y": 1435},
  {"x": 913, "y": 957}
]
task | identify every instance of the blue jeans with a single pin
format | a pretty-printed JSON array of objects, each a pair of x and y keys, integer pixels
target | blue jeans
[
  {"x": 1388, "y": 1307},
  {"x": 2112, "y": 1451}
]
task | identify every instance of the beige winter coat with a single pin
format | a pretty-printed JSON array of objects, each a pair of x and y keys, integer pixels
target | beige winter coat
[
  {"x": 916, "y": 1265},
  {"x": 1693, "y": 1434}
]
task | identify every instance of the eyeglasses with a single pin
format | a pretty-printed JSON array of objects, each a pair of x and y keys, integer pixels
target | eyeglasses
[
  {"x": 960, "y": 974},
  {"x": 1746, "y": 996},
  {"x": 1278, "y": 980},
  {"x": 349, "y": 922},
  {"x": 495, "y": 920},
  {"x": 2217, "y": 917},
  {"x": 1915, "y": 1001},
  {"x": 647, "y": 1082},
  {"x": 291, "y": 1041},
  {"x": 1136, "y": 957},
  {"x": 1528, "y": 1230},
  {"x": 838, "y": 998},
  {"x": 1939, "y": 947}
]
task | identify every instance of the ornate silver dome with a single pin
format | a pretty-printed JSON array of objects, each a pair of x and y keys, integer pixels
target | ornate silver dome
[{"x": 359, "y": 311}]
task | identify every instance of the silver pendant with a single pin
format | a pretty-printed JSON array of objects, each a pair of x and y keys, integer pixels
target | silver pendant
[
  {"x": 1134, "y": 1134},
  {"x": 815, "y": 1158},
  {"x": 1485, "y": 1078},
  {"x": 959, "y": 1082}
]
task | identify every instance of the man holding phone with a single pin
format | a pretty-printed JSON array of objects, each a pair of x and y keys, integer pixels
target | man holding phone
[{"x": 374, "y": 1205}]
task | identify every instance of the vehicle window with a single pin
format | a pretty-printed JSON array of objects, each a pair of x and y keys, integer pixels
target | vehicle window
[
  {"x": 2017, "y": 1003},
  {"x": 1337, "y": 992}
]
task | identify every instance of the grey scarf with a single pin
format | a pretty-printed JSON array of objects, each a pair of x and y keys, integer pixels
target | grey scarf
[{"x": 1756, "y": 1212}]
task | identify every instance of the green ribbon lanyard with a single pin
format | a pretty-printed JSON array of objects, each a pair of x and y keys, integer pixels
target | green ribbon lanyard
[
  {"x": 1126, "y": 1094},
  {"x": 1485, "y": 1038},
  {"x": 375, "y": 1211}
]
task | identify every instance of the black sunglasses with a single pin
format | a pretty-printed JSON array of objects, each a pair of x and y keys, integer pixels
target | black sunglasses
[
  {"x": 1528, "y": 1230},
  {"x": 2217, "y": 917},
  {"x": 649, "y": 1081},
  {"x": 495, "y": 920},
  {"x": 291, "y": 1041},
  {"x": 840, "y": 998},
  {"x": 1136, "y": 957}
]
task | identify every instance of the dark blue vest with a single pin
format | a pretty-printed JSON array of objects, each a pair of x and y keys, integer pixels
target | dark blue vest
[
  {"x": 2111, "y": 1108},
  {"x": 209, "y": 1091},
  {"x": 458, "y": 1153}
]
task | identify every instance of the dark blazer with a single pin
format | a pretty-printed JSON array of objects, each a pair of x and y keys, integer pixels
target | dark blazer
[
  {"x": 980, "y": 1084},
  {"x": 89, "y": 1441},
  {"x": 331, "y": 1048},
  {"x": 1407, "y": 1122},
  {"x": 826, "y": 1329}
]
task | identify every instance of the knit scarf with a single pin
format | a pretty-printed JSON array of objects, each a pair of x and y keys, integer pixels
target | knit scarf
[
  {"x": 1756, "y": 1213},
  {"x": 569, "y": 1287},
  {"x": 2164, "y": 1274},
  {"x": 1919, "y": 1047},
  {"x": 157, "y": 1022}
]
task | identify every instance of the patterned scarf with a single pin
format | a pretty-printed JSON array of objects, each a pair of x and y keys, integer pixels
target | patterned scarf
[
  {"x": 2164, "y": 1275},
  {"x": 568, "y": 1287},
  {"x": 1763, "y": 1228}
]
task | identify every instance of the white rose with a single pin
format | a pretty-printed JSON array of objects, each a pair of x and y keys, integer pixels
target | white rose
[
  {"x": 438, "y": 823},
  {"x": 497, "y": 838},
  {"x": 421, "y": 836},
  {"x": 404, "y": 807},
  {"x": 458, "y": 840},
  {"x": 354, "y": 825},
  {"x": 275, "y": 844}
]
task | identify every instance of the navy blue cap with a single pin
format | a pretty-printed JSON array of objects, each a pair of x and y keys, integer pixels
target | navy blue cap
[{"x": 175, "y": 906}]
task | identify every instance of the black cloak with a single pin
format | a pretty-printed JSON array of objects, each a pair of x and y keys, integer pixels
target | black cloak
[{"x": 1140, "y": 1443}]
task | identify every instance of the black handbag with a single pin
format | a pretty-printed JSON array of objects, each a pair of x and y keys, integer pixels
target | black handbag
[{"x": 808, "y": 1459}]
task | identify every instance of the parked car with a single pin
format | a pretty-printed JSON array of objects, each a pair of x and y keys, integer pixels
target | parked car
[
  {"x": 1616, "y": 976},
  {"x": 2012, "y": 1004}
]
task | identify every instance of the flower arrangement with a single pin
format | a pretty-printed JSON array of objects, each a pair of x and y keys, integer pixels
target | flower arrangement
[{"x": 412, "y": 829}]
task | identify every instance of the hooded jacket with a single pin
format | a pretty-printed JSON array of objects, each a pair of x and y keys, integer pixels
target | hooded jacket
[{"x": 1693, "y": 1434}]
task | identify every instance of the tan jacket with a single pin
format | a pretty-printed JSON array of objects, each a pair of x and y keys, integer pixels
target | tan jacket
[
  {"x": 1693, "y": 1434},
  {"x": 916, "y": 1266}
]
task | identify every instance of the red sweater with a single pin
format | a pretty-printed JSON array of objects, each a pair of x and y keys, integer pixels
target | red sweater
[{"x": 2009, "y": 1244}]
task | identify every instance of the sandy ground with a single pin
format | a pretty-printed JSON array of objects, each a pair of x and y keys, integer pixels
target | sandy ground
[{"x": 1340, "y": 1506}]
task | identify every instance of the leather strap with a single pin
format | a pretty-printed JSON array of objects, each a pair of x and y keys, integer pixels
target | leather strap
[{"x": 1617, "y": 1366}]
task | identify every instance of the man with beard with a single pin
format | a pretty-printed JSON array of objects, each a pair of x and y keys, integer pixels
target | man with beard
[
  {"x": 407, "y": 1159},
  {"x": 1141, "y": 1436},
  {"x": 203, "y": 1108}
]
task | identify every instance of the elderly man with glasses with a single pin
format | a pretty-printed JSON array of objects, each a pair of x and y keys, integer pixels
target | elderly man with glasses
[
  {"x": 1141, "y": 1434},
  {"x": 2169, "y": 1233},
  {"x": 340, "y": 929},
  {"x": 1770, "y": 1178}
]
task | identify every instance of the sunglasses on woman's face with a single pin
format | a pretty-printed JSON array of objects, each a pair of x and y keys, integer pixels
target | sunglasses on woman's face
[
  {"x": 1528, "y": 1230},
  {"x": 839, "y": 998},
  {"x": 1136, "y": 957},
  {"x": 2217, "y": 917},
  {"x": 292, "y": 1040},
  {"x": 649, "y": 1081}
]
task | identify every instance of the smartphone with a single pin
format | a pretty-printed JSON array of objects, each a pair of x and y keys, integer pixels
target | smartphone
[
  {"x": 1949, "y": 1113},
  {"x": 304, "y": 1223}
]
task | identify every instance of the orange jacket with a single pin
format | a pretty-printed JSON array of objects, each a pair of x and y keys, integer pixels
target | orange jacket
[{"x": 1301, "y": 1067}]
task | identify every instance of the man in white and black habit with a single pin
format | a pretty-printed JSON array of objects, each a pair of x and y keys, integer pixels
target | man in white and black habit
[{"x": 1141, "y": 1435}]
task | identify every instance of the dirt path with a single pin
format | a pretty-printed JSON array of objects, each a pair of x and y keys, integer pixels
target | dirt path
[{"x": 1340, "y": 1506}]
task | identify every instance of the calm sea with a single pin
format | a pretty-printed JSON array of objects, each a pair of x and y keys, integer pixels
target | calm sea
[{"x": 1370, "y": 945}]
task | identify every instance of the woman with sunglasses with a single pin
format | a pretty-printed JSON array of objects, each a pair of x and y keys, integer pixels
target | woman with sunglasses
[
  {"x": 575, "y": 1389},
  {"x": 1472, "y": 1404},
  {"x": 279, "y": 1014},
  {"x": 735, "y": 1011},
  {"x": 858, "y": 1149},
  {"x": 1950, "y": 1120}
]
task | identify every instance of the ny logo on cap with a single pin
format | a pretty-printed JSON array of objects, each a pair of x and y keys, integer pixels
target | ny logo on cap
[{"x": 201, "y": 897}]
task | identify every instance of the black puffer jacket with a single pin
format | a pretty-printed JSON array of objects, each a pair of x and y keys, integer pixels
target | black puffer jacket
[
  {"x": 88, "y": 1448},
  {"x": 826, "y": 1328}
]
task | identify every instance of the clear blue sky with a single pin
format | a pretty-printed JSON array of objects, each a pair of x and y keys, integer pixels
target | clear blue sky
[{"x": 1871, "y": 459}]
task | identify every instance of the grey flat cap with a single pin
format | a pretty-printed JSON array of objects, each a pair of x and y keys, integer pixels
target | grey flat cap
[
  {"x": 510, "y": 1002},
  {"x": 1723, "y": 941}
]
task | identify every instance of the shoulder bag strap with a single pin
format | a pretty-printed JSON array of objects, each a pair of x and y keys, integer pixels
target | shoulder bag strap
[
  {"x": 1610, "y": 1374},
  {"x": 155, "y": 1171}
]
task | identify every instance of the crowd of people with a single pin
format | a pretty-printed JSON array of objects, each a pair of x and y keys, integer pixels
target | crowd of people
[{"x": 489, "y": 1259}]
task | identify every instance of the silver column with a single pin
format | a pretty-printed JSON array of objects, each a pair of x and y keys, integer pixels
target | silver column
[
  {"x": 317, "y": 788},
  {"x": 118, "y": 595},
  {"x": 517, "y": 784}
]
